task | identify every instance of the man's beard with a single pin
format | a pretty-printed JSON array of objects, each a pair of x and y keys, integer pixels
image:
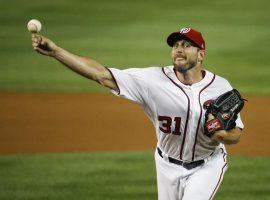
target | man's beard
[{"x": 184, "y": 69}]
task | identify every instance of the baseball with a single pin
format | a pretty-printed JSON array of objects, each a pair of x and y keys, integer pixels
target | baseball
[{"x": 34, "y": 26}]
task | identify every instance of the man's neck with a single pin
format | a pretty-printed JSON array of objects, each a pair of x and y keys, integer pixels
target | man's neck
[{"x": 191, "y": 76}]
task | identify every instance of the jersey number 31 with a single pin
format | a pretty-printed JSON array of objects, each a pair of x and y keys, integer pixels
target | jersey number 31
[{"x": 165, "y": 125}]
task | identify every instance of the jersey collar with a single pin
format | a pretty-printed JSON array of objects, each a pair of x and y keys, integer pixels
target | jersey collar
[{"x": 170, "y": 73}]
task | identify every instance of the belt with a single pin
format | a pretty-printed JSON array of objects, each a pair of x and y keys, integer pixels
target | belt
[{"x": 187, "y": 165}]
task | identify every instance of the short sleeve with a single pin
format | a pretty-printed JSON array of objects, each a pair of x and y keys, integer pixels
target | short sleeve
[{"x": 131, "y": 84}]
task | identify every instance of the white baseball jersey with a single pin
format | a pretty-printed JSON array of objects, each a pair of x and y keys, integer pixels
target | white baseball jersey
[{"x": 175, "y": 109}]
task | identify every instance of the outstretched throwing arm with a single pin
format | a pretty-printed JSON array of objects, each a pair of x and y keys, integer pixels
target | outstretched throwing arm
[{"x": 86, "y": 67}]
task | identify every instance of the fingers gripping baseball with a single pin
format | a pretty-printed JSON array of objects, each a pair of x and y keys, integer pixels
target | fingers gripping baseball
[{"x": 43, "y": 45}]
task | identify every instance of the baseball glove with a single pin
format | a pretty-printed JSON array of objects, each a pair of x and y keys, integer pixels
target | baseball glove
[{"x": 224, "y": 110}]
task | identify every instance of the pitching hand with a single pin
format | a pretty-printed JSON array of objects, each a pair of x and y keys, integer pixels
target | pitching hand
[{"x": 43, "y": 45}]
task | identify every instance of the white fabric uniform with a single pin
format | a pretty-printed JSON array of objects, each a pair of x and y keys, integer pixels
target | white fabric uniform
[{"x": 177, "y": 113}]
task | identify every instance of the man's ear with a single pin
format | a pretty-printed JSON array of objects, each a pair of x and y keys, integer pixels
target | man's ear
[{"x": 201, "y": 55}]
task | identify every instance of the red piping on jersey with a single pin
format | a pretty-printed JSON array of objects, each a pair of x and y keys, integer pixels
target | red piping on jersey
[
  {"x": 187, "y": 117},
  {"x": 114, "y": 80},
  {"x": 199, "y": 121},
  {"x": 224, "y": 154},
  {"x": 218, "y": 183}
]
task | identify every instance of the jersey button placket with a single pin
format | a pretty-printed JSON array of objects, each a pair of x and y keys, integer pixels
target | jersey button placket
[
  {"x": 189, "y": 92},
  {"x": 194, "y": 106}
]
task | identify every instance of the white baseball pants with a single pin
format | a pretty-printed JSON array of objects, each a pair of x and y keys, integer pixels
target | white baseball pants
[{"x": 200, "y": 183}]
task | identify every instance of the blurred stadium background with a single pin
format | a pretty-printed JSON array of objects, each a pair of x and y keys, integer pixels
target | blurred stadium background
[{"x": 122, "y": 34}]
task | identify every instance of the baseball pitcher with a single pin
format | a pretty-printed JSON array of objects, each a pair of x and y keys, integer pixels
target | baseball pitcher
[{"x": 194, "y": 111}]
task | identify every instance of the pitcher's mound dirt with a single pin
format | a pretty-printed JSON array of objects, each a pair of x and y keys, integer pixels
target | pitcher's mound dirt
[{"x": 46, "y": 122}]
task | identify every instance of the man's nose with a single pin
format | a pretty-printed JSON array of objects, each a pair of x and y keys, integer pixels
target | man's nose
[{"x": 179, "y": 49}]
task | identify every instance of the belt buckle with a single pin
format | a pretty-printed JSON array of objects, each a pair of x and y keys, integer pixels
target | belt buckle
[
  {"x": 186, "y": 165},
  {"x": 191, "y": 165}
]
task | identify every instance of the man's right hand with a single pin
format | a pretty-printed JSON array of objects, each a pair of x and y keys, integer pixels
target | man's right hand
[{"x": 43, "y": 45}]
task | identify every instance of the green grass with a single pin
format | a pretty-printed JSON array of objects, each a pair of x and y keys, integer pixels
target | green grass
[
  {"x": 127, "y": 33},
  {"x": 108, "y": 176},
  {"x": 78, "y": 176}
]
